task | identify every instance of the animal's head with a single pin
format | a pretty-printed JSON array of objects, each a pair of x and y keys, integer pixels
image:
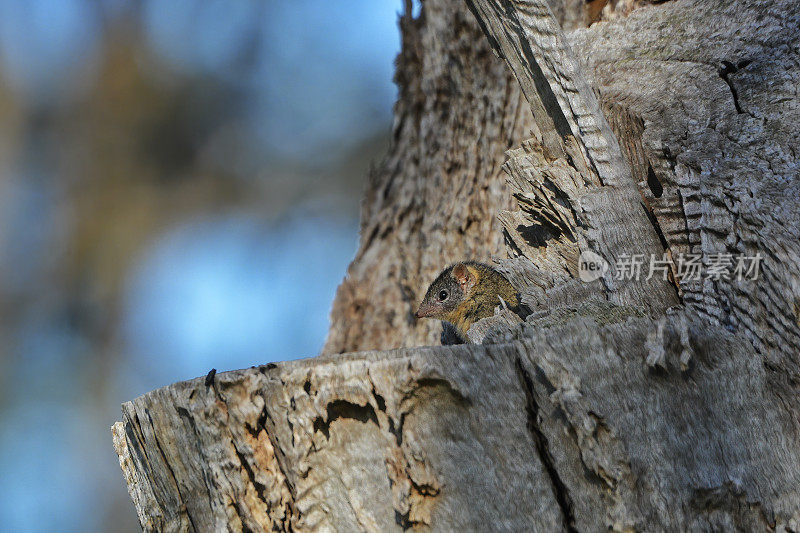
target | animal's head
[{"x": 446, "y": 292}]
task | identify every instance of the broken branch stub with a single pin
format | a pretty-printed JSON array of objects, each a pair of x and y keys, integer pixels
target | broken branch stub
[{"x": 574, "y": 189}]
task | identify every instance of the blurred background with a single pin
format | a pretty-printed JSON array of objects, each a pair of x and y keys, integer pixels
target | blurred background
[{"x": 179, "y": 190}]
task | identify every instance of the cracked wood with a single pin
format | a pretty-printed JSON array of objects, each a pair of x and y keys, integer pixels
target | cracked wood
[{"x": 592, "y": 414}]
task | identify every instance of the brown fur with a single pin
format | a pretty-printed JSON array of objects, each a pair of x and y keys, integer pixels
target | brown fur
[{"x": 469, "y": 299}]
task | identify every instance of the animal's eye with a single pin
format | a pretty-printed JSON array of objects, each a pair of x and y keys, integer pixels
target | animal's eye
[{"x": 443, "y": 295}]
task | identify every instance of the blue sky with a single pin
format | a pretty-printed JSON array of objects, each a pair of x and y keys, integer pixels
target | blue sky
[
  {"x": 232, "y": 291},
  {"x": 228, "y": 289}
]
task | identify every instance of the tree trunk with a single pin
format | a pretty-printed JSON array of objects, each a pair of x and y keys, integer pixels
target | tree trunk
[
  {"x": 435, "y": 198},
  {"x": 619, "y": 403}
]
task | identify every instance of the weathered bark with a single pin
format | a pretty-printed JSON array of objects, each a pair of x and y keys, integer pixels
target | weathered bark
[
  {"x": 717, "y": 112},
  {"x": 506, "y": 437},
  {"x": 623, "y": 405},
  {"x": 435, "y": 198}
]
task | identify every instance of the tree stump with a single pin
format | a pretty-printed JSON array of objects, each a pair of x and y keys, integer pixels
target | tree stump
[{"x": 661, "y": 402}]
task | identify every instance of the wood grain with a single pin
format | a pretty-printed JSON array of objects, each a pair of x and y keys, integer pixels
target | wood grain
[{"x": 670, "y": 405}]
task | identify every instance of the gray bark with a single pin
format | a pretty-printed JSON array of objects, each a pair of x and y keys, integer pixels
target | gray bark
[
  {"x": 435, "y": 197},
  {"x": 616, "y": 405},
  {"x": 634, "y": 433}
]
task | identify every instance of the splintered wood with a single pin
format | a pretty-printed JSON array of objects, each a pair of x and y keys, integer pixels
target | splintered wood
[{"x": 646, "y": 404}]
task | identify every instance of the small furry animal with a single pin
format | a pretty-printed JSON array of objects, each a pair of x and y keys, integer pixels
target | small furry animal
[{"x": 463, "y": 294}]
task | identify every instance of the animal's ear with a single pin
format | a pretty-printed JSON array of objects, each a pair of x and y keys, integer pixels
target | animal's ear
[{"x": 464, "y": 277}]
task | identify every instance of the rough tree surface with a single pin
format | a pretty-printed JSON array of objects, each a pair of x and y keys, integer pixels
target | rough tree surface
[
  {"x": 435, "y": 198},
  {"x": 627, "y": 405}
]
